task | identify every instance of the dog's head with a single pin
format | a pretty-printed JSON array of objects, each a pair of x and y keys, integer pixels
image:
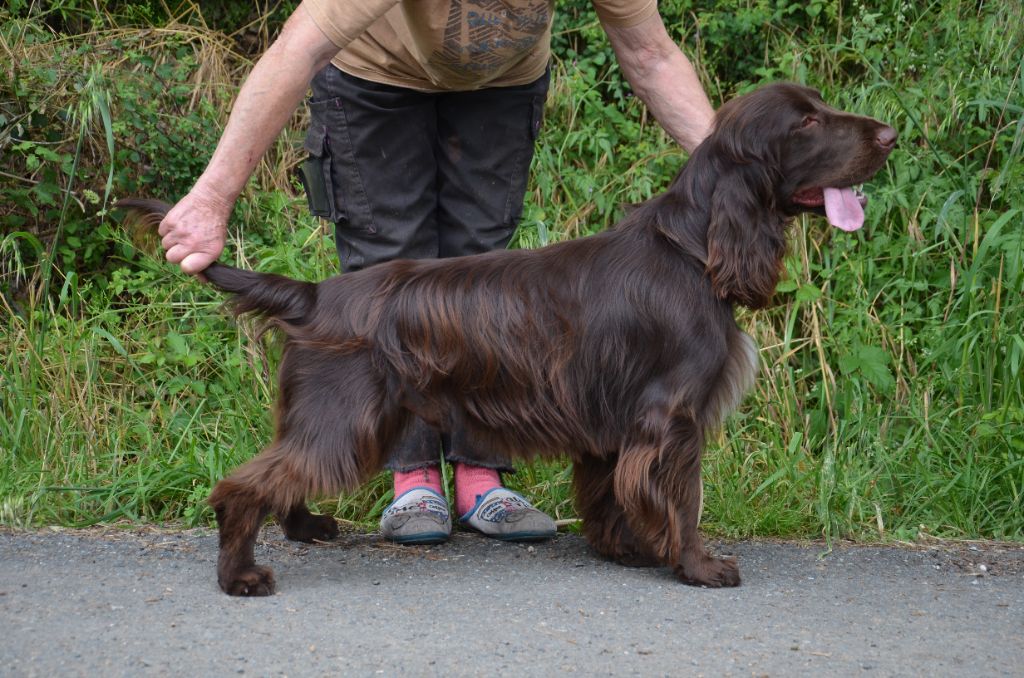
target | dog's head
[{"x": 779, "y": 151}]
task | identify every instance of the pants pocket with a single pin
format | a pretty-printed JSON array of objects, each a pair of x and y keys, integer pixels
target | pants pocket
[{"x": 315, "y": 174}]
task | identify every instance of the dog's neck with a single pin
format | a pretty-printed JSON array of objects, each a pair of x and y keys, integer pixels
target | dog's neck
[
  {"x": 723, "y": 215},
  {"x": 692, "y": 190}
]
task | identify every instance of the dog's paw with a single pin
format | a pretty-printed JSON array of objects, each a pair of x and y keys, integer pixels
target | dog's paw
[
  {"x": 254, "y": 581},
  {"x": 711, "y": 572},
  {"x": 311, "y": 527}
]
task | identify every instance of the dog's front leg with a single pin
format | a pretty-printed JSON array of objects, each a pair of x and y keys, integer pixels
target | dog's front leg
[
  {"x": 604, "y": 522},
  {"x": 657, "y": 482},
  {"x": 696, "y": 565}
]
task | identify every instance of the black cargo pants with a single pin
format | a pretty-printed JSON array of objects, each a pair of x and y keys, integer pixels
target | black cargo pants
[{"x": 409, "y": 174}]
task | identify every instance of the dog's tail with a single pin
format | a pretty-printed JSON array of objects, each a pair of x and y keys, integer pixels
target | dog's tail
[{"x": 267, "y": 294}]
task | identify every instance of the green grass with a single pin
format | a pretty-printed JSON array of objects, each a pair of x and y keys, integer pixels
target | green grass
[{"x": 891, "y": 397}]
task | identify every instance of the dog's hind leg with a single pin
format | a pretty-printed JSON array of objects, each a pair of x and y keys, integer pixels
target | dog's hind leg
[
  {"x": 240, "y": 508},
  {"x": 658, "y": 483},
  {"x": 334, "y": 424},
  {"x": 275, "y": 481},
  {"x": 604, "y": 522},
  {"x": 300, "y": 524}
]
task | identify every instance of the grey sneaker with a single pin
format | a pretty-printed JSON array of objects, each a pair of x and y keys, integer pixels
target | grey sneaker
[
  {"x": 503, "y": 514},
  {"x": 419, "y": 516}
]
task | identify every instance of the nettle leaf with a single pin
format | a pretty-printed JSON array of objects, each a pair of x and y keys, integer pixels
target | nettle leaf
[
  {"x": 871, "y": 363},
  {"x": 46, "y": 193},
  {"x": 48, "y": 154},
  {"x": 177, "y": 343},
  {"x": 874, "y": 365},
  {"x": 849, "y": 363},
  {"x": 808, "y": 293}
]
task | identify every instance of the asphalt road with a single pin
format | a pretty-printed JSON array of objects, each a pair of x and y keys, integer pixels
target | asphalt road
[{"x": 146, "y": 603}]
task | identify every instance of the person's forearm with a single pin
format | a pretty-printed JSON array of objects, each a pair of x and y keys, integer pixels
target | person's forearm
[
  {"x": 665, "y": 80},
  {"x": 674, "y": 96},
  {"x": 265, "y": 103}
]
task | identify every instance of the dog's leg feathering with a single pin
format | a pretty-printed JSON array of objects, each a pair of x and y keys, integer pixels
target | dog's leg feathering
[
  {"x": 277, "y": 481},
  {"x": 658, "y": 484},
  {"x": 334, "y": 423},
  {"x": 604, "y": 522}
]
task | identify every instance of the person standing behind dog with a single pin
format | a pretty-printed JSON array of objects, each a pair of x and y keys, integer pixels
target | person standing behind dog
[{"x": 423, "y": 120}]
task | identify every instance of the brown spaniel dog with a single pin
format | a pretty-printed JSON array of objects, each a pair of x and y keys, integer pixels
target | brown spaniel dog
[{"x": 619, "y": 350}]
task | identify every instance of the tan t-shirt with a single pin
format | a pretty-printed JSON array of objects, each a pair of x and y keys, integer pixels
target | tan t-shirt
[{"x": 438, "y": 45}]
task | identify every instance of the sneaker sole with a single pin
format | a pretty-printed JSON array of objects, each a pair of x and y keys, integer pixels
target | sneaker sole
[
  {"x": 525, "y": 536},
  {"x": 514, "y": 536},
  {"x": 418, "y": 539}
]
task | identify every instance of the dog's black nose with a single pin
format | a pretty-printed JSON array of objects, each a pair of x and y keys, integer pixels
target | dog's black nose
[{"x": 886, "y": 138}]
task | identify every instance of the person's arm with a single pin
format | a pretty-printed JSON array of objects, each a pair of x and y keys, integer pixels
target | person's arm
[
  {"x": 664, "y": 79},
  {"x": 195, "y": 230}
]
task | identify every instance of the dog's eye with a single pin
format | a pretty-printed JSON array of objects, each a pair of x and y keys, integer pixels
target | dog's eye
[{"x": 808, "y": 121}]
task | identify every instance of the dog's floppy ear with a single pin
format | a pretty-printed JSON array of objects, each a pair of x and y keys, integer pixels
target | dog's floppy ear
[{"x": 746, "y": 239}]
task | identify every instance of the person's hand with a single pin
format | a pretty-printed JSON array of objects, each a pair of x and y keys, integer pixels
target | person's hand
[{"x": 195, "y": 230}]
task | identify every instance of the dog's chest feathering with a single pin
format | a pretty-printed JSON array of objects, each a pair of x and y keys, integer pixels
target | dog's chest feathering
[{"x": 738, "y": 376}]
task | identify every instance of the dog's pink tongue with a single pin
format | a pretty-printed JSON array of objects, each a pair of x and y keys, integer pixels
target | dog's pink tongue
[{"x": 843, "y": 209}]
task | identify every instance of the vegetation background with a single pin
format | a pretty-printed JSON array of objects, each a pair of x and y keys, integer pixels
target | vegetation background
[{"x": 891, "y": 397}]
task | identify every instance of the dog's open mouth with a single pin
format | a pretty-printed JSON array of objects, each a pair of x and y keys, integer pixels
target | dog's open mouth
[{"x": 843, "y": 207}]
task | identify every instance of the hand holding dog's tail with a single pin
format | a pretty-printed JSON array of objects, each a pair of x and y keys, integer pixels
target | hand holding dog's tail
[
  {"x": 267, "y": 294},
  {"x": 193, "y": 231}
]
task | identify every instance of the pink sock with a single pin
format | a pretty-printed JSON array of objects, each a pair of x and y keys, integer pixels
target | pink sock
[
  {"x": 472, "y": 482},
  {"x": 428, "y": 476}
]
